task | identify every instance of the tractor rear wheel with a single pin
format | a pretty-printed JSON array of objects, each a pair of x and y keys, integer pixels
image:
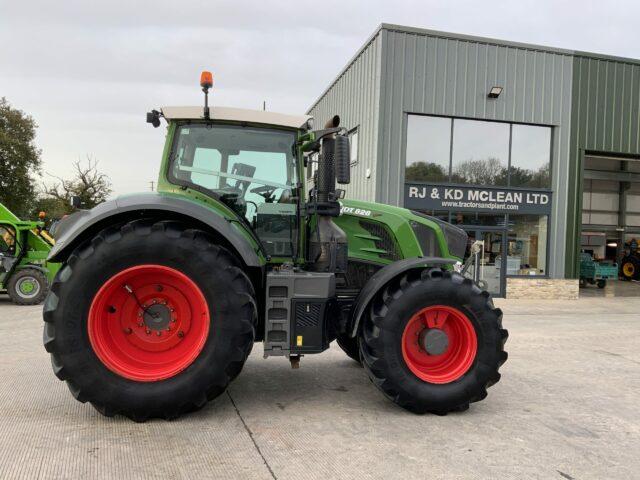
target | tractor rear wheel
[
  {"x": 433, "y": 342},
  {"x": 28, "y": 286},
  {"x": 149, "y": 320}
]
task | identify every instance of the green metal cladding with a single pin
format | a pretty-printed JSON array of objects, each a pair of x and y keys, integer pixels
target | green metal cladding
[{"x": 605, "y": 118}]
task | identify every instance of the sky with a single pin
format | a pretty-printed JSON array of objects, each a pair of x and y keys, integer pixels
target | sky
[{"x": 88, "y": 71}]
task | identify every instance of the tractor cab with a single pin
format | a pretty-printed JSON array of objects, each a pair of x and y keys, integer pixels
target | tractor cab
[{"x": 250, "y": 167}]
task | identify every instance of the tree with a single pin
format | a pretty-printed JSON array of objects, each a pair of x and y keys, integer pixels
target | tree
[
  {"x": 19, "y": 159},
  {"x": 89, "y": 184},
  {"x": 54, "y": 208},
  {"x": 425, "y": 172},
  {"x": 489, "y": 171}
]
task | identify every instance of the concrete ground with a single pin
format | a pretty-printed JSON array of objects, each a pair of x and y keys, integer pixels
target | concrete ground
[
  {"x": 566, "y": 408},
  {"x": 614, "y": 288}
]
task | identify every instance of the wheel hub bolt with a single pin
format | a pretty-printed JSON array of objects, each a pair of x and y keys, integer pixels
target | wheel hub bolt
[
  {"x": 148, "y": 331},
  {"x": 159, "y": 333},
  {"x": 127, "y": 331},
  {"x": 180, "y": 334}
]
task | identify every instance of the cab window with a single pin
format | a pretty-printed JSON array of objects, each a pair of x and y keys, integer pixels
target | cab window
[
  {"x": 252, "y": 170},
  {"x": 7, "y": 240}
]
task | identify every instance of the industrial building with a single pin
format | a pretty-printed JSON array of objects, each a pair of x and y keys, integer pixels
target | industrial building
[{"x": 535, "y": 150}]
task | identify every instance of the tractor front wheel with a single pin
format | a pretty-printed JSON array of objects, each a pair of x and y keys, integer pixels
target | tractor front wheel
[
  {"x": 149, "y": 320},
  {"x": 28, "y": 286},
  {"x": 433, "y": 342}
]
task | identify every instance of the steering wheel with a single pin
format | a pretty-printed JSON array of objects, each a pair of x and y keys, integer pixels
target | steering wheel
[{"x": 265, "y": 191}]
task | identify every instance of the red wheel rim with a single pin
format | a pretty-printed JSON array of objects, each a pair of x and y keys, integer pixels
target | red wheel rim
[
  {"x": 148, "y": 323},
  {"x": 458, "y": 355}
]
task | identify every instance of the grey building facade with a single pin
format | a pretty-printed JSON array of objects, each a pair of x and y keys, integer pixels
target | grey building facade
[{"x": 426, "y": 123}]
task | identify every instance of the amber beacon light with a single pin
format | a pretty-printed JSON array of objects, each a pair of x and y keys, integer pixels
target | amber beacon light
[{"x": 206, "y": 80}]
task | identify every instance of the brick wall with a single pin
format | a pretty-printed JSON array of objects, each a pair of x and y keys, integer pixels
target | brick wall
[{"x": 542, "y": 288}]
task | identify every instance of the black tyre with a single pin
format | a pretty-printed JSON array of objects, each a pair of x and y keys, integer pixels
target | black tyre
[
  {"x": 433, "y": 342},
  {"x": 601, "y": 283},
  {"x": 149, "y": 320},
  {"x": 349, "y": 346},
  {"x": 630, "y": 268},
  {"x": 28, "y": 286}
]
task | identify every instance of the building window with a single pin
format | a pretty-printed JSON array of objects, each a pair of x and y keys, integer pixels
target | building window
[
  {"x": 353, "y": 144},
  {"x": 477, "y": 152},
  {"x": 480, "y": 152},
  {"x": 527, "y": 245},
  {"x": 428, "y": 149},
  {"x": 530, "y": 156}
]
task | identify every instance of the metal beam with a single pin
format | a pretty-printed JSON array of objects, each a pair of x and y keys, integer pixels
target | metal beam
[{"x": 615, "y": 176}]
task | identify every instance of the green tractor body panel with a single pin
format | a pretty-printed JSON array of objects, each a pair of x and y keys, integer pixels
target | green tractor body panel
[
  {"x": 384, "y": 234},
  {"x": 26, "y": 245}
]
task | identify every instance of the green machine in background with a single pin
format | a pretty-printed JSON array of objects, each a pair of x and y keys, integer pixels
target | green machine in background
[{"x": 25, "y": 273}]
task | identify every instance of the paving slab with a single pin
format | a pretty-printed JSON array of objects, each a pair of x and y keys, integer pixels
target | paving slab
[{"x": 565, "y": 408}]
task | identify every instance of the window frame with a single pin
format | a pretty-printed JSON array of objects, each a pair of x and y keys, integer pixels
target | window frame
[{"x": 451, "y": 138}]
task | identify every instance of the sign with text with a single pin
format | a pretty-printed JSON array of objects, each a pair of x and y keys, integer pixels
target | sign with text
[{"x": 477, "y": 199}]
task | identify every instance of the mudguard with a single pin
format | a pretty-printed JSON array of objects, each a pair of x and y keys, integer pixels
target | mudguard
[
  {"x": 71, "y": 229},
  {"x": 382, "y": 277}
]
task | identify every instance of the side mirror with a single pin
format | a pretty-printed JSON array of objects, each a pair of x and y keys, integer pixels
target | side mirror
[
  {"x": 153, "y": 117},
  {"x": 74, "y": 201},
  {"x": 342, "y": 159}
]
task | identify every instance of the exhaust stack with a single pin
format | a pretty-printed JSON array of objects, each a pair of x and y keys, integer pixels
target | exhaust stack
[{"x": 328, "y": 242}]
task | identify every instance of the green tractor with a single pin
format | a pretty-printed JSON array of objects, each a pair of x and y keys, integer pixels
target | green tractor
[
  {"x": 25, "y": 274},
  {"x": 162, "y": 295}
]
